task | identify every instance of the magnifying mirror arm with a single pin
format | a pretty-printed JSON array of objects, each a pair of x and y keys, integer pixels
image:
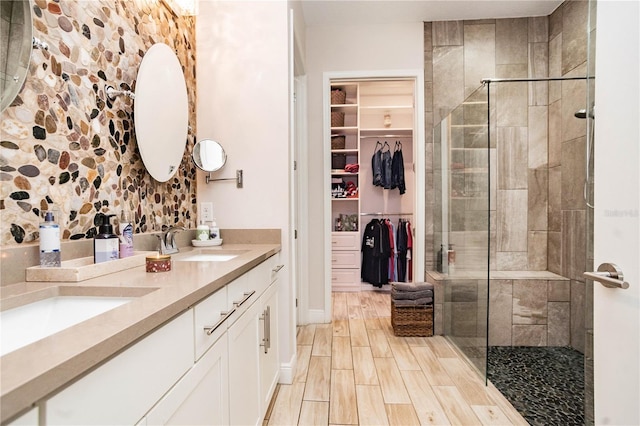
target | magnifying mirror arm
[
  {"x": 39, "y": 44},
  {"x": 238, "y": 178}
]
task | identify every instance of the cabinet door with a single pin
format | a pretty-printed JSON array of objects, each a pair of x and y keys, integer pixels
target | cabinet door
[
  {"x": 123, "y": 389},
  {"x": 269, "y": 367},
  {"x": 244, "y": 373},
  {"x": 201, "y": 397}
]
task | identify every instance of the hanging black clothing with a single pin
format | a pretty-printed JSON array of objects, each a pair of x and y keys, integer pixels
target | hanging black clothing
[
  {"x": 376, "y": 251},
  {"x": 401, "y": 249},
  {"x": 376, "y": 165},
  {"x": 386, "y": 168},
  {"x": 397, "y": 169}
]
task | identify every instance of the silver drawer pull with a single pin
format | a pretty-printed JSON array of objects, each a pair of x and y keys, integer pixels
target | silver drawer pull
[
  {"x": 223, "y": 317},
  {"x": 277, "y": 268},
  {"x": 247, "y": 295}
]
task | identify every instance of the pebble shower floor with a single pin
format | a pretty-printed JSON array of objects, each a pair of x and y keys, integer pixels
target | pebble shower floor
[{"x": 546, "y": 385}]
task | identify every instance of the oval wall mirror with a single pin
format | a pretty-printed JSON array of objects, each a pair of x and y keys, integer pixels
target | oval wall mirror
[
  {"x": 209, "y": 155},
  {"x": 16, "y": 54},
  {"x": 161, "y": 112}
]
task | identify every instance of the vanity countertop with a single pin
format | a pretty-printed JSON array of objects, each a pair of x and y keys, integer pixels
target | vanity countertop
[{"x": 35, "y": 371}]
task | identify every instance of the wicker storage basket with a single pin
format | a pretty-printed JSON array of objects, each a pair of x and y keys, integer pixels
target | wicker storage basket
[
  {"x": 337, "y": 119},
  {"x": 338, "y": 161},
  {"x": 412, "y": 321},
  {"x": 337, "y": 142},
  {"x": 338, "y": 97}
]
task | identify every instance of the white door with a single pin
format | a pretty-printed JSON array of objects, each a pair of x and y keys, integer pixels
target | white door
[{"x": 616, "y": 216}]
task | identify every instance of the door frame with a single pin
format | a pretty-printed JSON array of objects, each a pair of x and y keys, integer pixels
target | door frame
[{"x": 419, "y": 168}]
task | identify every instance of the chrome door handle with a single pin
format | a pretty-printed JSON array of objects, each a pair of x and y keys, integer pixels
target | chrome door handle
[
  {"x": 609, "y": 275},
  {"x": 277, "y": 268},
  {"x": 266, "y": 340}
]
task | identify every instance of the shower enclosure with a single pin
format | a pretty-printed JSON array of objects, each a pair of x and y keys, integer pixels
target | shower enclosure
[
  {"x": 513, "y": 204},
  {"x": 513, "y": 172}
]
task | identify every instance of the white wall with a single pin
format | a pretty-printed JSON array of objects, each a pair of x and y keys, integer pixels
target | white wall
[
  {"x": 345, "y": 48},
  {"x": 243, "y": 103},
  {"x": 616, "y": 219}
]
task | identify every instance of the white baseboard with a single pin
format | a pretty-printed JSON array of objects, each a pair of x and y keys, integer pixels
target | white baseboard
[
  {"x": 317, "y": 316},
  {"x": 287, "y": 370}
]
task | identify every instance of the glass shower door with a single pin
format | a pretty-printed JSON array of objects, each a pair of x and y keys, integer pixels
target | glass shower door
[{"x": 463, "y": 177}]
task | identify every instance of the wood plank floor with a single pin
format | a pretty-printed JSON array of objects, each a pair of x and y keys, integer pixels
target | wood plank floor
[{"x": 355, "y": 371}]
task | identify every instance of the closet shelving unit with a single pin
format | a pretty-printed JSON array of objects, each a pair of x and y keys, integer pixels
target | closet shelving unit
[
  {"x": 345, "y": 243},
  {"x": 375, "y": 110}
]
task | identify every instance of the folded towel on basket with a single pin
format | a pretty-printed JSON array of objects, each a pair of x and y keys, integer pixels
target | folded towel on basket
[
  {"x": 412, "y": 287},
  {"x": 410, "y": 295},
  {"x": 418, "y": 302}
]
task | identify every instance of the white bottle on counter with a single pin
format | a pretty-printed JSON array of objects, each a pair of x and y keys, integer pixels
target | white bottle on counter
[
  {"x": 49, "y": 241},
  {"x": 214, "y": 231}
]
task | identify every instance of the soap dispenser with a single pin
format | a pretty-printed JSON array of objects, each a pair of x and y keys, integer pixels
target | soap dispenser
[{"x": 106, "y": 244}]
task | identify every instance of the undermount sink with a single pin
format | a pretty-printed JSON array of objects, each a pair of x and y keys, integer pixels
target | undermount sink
[
  {"x": 203, "y": 255},
  {"x": 55, "y": 309}
]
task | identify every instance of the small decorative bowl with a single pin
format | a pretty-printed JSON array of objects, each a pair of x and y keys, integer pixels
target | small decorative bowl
[{"x": 158, "y": 263}]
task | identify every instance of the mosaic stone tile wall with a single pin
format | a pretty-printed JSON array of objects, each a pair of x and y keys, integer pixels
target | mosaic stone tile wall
[{"x": 66, "y": 146}]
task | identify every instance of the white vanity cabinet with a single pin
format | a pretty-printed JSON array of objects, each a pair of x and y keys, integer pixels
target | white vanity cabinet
[
  {"x": 121, "y": 391},
  {"x": 215, "y": 364}
]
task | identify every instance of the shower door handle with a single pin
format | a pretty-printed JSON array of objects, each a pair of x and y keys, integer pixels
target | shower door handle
[{"x": 609, "y": 275}]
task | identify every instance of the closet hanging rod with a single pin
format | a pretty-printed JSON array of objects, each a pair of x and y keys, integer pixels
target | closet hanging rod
[
  {"x": 385, "y": 136},
  {"x": 386, "y": 214}
]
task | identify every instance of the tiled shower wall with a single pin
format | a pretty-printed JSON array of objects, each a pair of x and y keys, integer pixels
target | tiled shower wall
[
  {"x": 66, "y": 145},
  {"x": 540, "y": 144}
]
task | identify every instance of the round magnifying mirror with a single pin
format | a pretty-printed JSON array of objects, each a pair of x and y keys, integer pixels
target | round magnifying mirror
[
  {"x": 16, "y": 53},
  {"x": 209, "y": 155}
]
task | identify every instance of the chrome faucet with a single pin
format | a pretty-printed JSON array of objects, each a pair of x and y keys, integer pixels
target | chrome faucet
[{"x": 168, "y": 241}]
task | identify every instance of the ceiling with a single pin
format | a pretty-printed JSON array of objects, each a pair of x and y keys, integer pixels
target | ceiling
[{"x": 362, "y": 12}]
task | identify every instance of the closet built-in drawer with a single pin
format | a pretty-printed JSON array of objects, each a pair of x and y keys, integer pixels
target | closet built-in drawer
[
  {"x": 342, "y": 277},
  {"x": 345, "y": 259},
  {"x": 345, "y": 241}
]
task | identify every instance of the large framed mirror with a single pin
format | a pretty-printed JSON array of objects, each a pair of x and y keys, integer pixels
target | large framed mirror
[{"x": 15, "y": 51}]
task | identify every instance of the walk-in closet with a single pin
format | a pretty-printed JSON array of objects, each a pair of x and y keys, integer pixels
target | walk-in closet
[{"x": 373, "y": 182}]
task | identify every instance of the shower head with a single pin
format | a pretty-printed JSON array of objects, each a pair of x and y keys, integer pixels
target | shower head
[{"x": 582, "y": 113}]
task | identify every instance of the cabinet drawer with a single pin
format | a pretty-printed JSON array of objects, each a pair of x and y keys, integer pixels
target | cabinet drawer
[
  {"x": 240, "y": 295},
  {"x": 264, "y": 274},
  {"x": 345, "y": 241},
  {"x": 275, "y": 267},
  {"x": 345, "y": 276},
  {"x": 345, "y": 259},
  {"x": 345, "y": 279},
  {"x": 123, "y": 389},
  {"x": 212, "y": 316}
]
